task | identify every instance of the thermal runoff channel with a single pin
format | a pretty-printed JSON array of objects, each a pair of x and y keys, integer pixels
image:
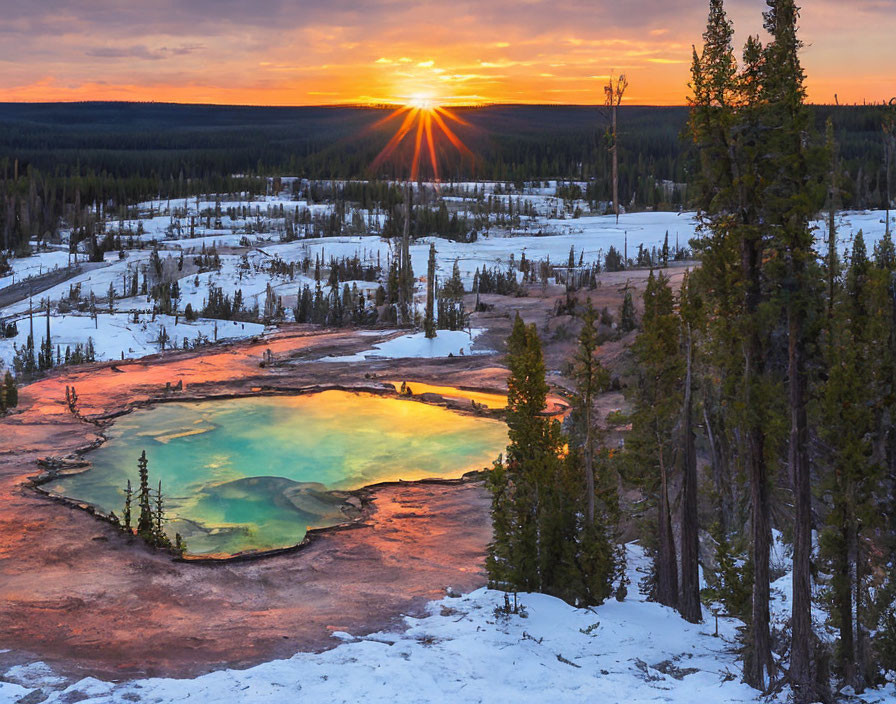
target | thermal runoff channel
[{"x": 255, "y": 473}]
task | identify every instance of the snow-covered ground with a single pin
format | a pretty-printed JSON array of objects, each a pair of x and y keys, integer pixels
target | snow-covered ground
[
  {"x": 26, "y": 267},
  {"x": 117, "y": 336},
  {"x": 619, "y": 652},
  {"x": 631, "y": 651},
  {"x": 417, "y": 345},
  {"x": 249, "y": 238}
]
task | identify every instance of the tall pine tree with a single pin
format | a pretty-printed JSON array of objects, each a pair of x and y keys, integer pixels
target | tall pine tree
[
  {"x": 429, "y": 323},
  {"x": 144, "y": 501},
  {"x": 652, "y": 444}
]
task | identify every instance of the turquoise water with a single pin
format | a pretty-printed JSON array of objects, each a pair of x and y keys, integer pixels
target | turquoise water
[{"x": 255, "y": 473}]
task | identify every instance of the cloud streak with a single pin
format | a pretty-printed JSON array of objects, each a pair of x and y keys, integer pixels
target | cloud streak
[
  {"x": 287, "y": 52},
  {"x": 140, "y": 51}
]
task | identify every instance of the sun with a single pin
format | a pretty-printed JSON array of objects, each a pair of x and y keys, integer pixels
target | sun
[{"x": 422, "y": 102}]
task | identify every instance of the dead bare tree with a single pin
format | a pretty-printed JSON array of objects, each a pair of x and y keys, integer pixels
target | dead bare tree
[{"x": 613, "y": 92}]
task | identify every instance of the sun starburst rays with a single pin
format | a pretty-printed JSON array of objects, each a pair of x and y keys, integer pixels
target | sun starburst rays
[{"x": 429, "y": 122}]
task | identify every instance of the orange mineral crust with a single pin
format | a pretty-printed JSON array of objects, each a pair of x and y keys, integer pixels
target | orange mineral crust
[{"x": 76, "y": 593}]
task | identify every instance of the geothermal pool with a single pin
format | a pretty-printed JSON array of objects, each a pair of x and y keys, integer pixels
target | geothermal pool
[{"x": 256, "y": 473}]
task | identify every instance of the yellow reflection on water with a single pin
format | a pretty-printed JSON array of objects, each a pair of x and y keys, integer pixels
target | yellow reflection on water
[
  {"x": 185, "y": 434},
  {"x": 483, "y": 398}
]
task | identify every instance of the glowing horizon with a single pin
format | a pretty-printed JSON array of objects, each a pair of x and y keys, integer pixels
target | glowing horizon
[{"x": 393, "y": 52}]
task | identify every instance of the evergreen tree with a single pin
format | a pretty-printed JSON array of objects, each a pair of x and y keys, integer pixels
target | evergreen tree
[
  {"x": 591, "y": 380},
  {"x": 540, "y": 541},
  {"x": 787, "y": 205},
  {"x": 732, "y": 588},
  {"x": 598, "y": 561},
  {"x": 144, "y": 502},
  {"x": 159, "y": 539},
  {"x": 429, "y": 323},
  {"x": 126, "y": 514},
  {"x": 847, "y": 427},
  {"x": 45, "y": 355},
  {"x": 151, "y": 522},
  {"x": 880, "y": 333},
  {"x": 304, "y": 305},
  {"x": 832, "y": 260},
  {"x": 656, "y": 405},
  {"x": 519, "y": 483},
  {"x": 11, "y": 389},
  {"x": 725, "y": 129},
  {"x": 452, "y": 314},
  {"x": 627, "y": 321}
]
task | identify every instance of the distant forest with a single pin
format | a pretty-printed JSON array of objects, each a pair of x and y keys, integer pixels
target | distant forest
[{"x": 60, "y": 157}]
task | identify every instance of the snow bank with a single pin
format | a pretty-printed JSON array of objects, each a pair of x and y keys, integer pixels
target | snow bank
[
  {"x": 10, "y": 692},
  {"x": 115, "y": 335},
  {"x": 35, "y": 265},
  {"x": 446, "y": 342}
]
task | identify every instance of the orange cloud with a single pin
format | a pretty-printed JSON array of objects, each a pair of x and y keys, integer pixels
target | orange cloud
[{"x": 348, "y": 51}]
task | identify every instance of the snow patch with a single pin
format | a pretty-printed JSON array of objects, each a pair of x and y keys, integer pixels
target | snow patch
[{"x": 446, "y": 343}]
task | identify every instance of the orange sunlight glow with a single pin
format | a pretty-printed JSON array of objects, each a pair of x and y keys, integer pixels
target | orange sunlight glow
[{"x": 424, "y": 116}]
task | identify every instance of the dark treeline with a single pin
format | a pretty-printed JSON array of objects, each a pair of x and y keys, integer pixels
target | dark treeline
[
  {"x": 168, "y": 142},
  {"x": 34, "y": 204},
  {"x": 58, "y": 159}
]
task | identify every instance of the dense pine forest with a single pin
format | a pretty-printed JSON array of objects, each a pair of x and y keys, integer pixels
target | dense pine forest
[
  {"x": 57, "y": 161},
  {"x": 762, "y": 400}
]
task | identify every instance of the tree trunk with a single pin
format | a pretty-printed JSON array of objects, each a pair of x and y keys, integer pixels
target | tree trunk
[
  {"x": 589, "y": 463},
  {"x": 429, "y": 323},
  {"x": 832, "y": 253},
  {"x": 861, "y": 641},
  {"x": 758, "y": 663},
  {"x": 666, "y": 564},
  {"x": 889, "y": 157},
  {"x": 801, "y": 647},
  {"x": 615, "y": 168},
  {"x": 844, "y": 598},
  {"x": 690, "y": 545},
  {"x": 721, "y": 477}
]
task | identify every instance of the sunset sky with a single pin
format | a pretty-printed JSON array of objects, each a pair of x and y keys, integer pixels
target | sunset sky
[{"x": 275, "y": 52}]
